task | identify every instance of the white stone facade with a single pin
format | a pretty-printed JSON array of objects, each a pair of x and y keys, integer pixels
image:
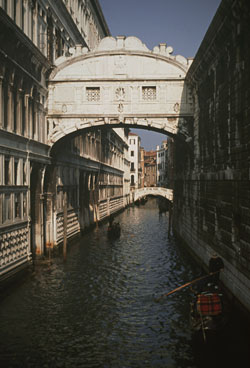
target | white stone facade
[
  {"x": 161, "y": 162},
  {"x": 120, "y": 82},
  {"x": 134, "y": 142}
]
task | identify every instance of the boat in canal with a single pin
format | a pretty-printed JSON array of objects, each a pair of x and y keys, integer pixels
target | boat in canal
[
  {"x": 208, "y": 313},
  {"x": 114, "y": 230}
]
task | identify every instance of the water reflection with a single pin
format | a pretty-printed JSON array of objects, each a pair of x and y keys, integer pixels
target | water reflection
[{"x": 99, "y": 308}]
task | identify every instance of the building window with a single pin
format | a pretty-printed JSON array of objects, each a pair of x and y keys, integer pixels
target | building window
[
  {"x": 22, "y": 115},
  {"x": 32, "y": 24},
  {"x": 50, "y": 40},
  {"x": 16, "y": 172},
  {"x": 2, "y": 102},
  {"x": 1, "y": 208},
  {"x": 24, "y": 204},
  {"x": 132, "y": 153},
  {"x": 132, "y": 166},
  {"x": 22, "y": 16},
  {"x": 93, "y": 93},
  {"x": 14, "y": 104},
  {"x": 5, "y": 105},
  {"x": 5, "y": 5},
  {"x": 17, "y": 205},
  {"x": 15, "y": 10},
  {"x": 149, "y": 93},
  {"x": 132, "y": 180},
  {"x": 7, "y": 171},
  {"x": 59, "y": 43},
  {"x": 7, "y": 208}
]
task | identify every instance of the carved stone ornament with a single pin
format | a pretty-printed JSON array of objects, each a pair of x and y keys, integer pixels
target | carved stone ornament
[
  {"x": 176, "y": 107},
  {"x": 120, "y": 107},
  {"x": 120, "y": 94}
]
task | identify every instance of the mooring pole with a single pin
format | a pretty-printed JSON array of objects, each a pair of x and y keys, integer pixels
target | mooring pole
[
  {"x": 170, "y": 220},
  {"x": 65, "y": 222}
]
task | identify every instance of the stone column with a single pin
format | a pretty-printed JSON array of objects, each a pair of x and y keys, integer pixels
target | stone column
[{"x": 49, "y": 220}]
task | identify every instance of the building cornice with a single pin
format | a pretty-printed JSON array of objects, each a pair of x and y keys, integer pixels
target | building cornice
[{"x": 100, "y": 16}]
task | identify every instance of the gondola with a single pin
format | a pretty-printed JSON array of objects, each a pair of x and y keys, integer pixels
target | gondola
[
  {"x": 208, "y": 313},
  {"x": 114, "y": 230}
]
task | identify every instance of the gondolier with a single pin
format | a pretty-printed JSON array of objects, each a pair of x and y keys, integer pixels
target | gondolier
[{"x": 216, "y": 265}]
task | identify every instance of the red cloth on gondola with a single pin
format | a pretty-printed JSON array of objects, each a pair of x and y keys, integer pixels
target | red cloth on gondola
[{"x": 209, "y": 304}]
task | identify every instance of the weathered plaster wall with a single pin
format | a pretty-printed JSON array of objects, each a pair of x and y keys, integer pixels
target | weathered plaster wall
[{"x": 212, "y": 187}]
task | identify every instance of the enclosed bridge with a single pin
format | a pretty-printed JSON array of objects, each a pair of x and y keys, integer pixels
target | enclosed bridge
[{"x": 120, "y": 83}]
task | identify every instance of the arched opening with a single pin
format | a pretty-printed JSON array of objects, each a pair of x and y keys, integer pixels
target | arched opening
[{"x": 92, "y": 95}]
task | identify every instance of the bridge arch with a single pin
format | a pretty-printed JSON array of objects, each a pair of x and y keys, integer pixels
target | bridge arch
[
  {"x": 119, "y": 84},
  {"x": 153, "y": 191}
]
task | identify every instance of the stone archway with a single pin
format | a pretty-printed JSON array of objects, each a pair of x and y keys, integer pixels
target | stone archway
[
  {"x": 121, "y": 83},
  {"x": 154, "y": 191}
]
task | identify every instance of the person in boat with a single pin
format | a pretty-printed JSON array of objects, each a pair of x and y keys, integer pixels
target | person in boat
[
  {"x": 216, "y": 264},
  {"x": 111, "y": 220},
  {"x": 114, "y": 230}
]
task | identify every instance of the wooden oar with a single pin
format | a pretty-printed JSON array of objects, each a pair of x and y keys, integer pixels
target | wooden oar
[{"x": 185, "y": 285}]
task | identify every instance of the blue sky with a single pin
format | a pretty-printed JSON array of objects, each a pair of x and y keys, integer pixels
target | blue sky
[{"x": 182, "y": 24}]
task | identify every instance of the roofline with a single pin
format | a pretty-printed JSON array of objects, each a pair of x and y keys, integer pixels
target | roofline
[{"x": 96, "y": 54}]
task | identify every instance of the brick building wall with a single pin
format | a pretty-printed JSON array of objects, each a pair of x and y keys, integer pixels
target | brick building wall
[{"x": 212, "y": 178}]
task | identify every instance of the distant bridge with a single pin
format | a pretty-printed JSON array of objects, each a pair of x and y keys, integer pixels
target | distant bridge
[{"x": 155, "y": 191}]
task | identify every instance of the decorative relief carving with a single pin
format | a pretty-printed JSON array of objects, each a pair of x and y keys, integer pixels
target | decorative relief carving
[
  {"x": 120, "y": 107},
  {"x": 14, "y": 246},
  {"x": 176, "y": 107},
  {"x": 120, "y": 94}
]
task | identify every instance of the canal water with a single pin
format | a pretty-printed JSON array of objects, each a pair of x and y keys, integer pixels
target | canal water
[{"x": 99, "y": 308}]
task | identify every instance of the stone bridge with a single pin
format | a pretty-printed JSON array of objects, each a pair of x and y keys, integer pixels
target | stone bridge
[
  {"x": 119, "y": 84},
  {"x": 155, "y": 191}
]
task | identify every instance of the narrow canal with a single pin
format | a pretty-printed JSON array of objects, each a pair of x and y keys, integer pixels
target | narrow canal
[{"x": 99, "y": 309}]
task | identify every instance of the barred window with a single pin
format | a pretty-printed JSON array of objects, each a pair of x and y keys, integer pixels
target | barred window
[
  {"x": 7, "y": 170},
  {"x": 7, "y": 209},
  {"x": 17, "y": 210},
  {"x": 25, "y": 205},
  {"x": 93, "y": 93},
  {"x": 149, "y": 93}
]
